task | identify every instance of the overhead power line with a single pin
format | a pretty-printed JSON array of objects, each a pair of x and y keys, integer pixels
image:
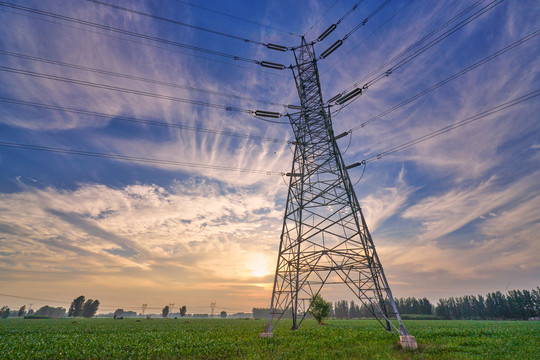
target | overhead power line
[
  {"x": 370, "y": 35},
  {"x": 456, "y": 125},
  {"x": 334, "y": 25},
  {"x": 364, "y": 22},
  {"x": 136, "y": 92},
  {"x": 323, "y": 15},
  {"x": 237, "y": 18},
  {"x": 428, "y": 45},
  {"x": 136, "y": 159},
  {"x": 36, "y": 299},
  {"x": 271, "y": 46},
  {"x": 135, "y": 34},
  {"x": 338, "y": 43},
  {"x": 272, "y": 73},
  {"x": 142, "y": 121},
  {"x": 132, "y": 77},
  {"x": 448, "y": 79},
  {"x": 418, "y": 42},
  {"x": 415, "y": 54}
]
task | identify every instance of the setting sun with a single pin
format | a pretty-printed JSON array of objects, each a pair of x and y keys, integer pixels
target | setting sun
[{"x": 259, "y": 265}]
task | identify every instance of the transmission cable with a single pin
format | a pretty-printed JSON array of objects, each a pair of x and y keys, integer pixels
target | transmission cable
[
  {"x": 148, "y": 44},
  {"x": 334, "y": 25},
  {"x": 349, "y": 12},
  {"x": 456, "y": 125},
  {"x": 362, "y": 174},
  {"x": 323, "y": 15},
  {"x": 427, "y": 46},
  {"x": 370, "y": 35},
  {"x": 141, "y": 93},
  {"x": 418, "y": 42},
  {"x": 132, "y": 77},
  {"x": 338, "y": 43},
  {"x": 134, "y": 34},
  {"x": 184, "y": 24},
  {"x": 448, "y": 79},
  {"x": 237, "y": 18},
  {"x": 436, "y": 41},
  {"x": 363, "y": 23},
  {"x": 136, "y": 158},
  {"x": 354, "y": 94},
  {"x": 142, "y": 121}
]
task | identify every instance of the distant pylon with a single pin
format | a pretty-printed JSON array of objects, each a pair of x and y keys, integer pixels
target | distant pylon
[
  {"x": 212, "y": 306},
  {"x": 325, "y": 239}
]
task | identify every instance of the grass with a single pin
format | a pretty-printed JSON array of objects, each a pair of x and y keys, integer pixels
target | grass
[{"x": 237, "y": 339}]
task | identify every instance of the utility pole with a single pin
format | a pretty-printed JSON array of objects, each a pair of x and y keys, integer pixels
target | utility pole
[{"x": 325, "y": 239}]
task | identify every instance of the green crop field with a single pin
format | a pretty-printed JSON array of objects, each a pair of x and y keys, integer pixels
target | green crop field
[{"x": 237, "y": 339}]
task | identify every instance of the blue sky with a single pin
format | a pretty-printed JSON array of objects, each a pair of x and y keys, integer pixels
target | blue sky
[{"x": 456, "y": 214}]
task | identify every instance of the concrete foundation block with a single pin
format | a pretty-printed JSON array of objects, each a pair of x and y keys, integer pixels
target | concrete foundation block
[
  {"x": 265, "y": 335},
  {"x": 408, "y": 342}
]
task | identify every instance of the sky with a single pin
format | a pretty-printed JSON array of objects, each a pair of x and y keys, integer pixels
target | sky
[{"x": 200, "y": 221}]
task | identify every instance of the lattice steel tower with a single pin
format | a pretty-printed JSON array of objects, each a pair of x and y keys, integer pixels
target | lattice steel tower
[{"x": 325, "y": 239}]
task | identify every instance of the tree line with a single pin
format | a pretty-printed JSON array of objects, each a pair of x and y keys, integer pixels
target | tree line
[
  {"x": 516, "y": 304},
  {"x": 43, "y": 312},
  {"x": 79, "y": 307}
]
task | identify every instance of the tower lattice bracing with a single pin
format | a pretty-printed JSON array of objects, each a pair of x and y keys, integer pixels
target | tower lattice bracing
[{"x": 325, "y": 239}]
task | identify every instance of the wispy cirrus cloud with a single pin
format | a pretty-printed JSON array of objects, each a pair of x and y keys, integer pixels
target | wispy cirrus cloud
[{"x": 450, "y": 211}]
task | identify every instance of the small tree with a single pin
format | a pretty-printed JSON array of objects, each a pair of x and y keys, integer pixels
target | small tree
[
  {"x": 22, "y": 311},
  {"x": 183, "y": 310},
  {"x": 319, "y": 308},
  {"x": 90, "y": 308},
  {"x": 165, "y": 311},
  {"x": 223, "y": 314},
  {"x": 76, "y": 307}
]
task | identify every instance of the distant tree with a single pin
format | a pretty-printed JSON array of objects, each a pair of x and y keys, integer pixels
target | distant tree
[
  {"x": 76, "y": 307},
  {"x": 22, "y": 311},
  {"x": 354, "y": 311},
  {"x": 260, "y": 313},
  {"x": 480, "y": 307},
  {"x": 331, "y": 313},
  {"x": 4, "y": 312},
  {"x": 341, "y": 309},
  {"x": 165, "y": 311},
  {"x": 223, "y": 314},
  {"x": 319, "y": 308},
  {"x": 535, "y": 302},
  {"x": 183, "y": 310},
  {"x": 90, "y": 308}
]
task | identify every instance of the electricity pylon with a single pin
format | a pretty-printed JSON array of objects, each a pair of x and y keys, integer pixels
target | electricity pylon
[{"x": 325, "y": 239}]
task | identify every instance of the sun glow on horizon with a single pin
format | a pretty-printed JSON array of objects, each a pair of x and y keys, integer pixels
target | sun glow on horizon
[{"x": 259, "y": 265}]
